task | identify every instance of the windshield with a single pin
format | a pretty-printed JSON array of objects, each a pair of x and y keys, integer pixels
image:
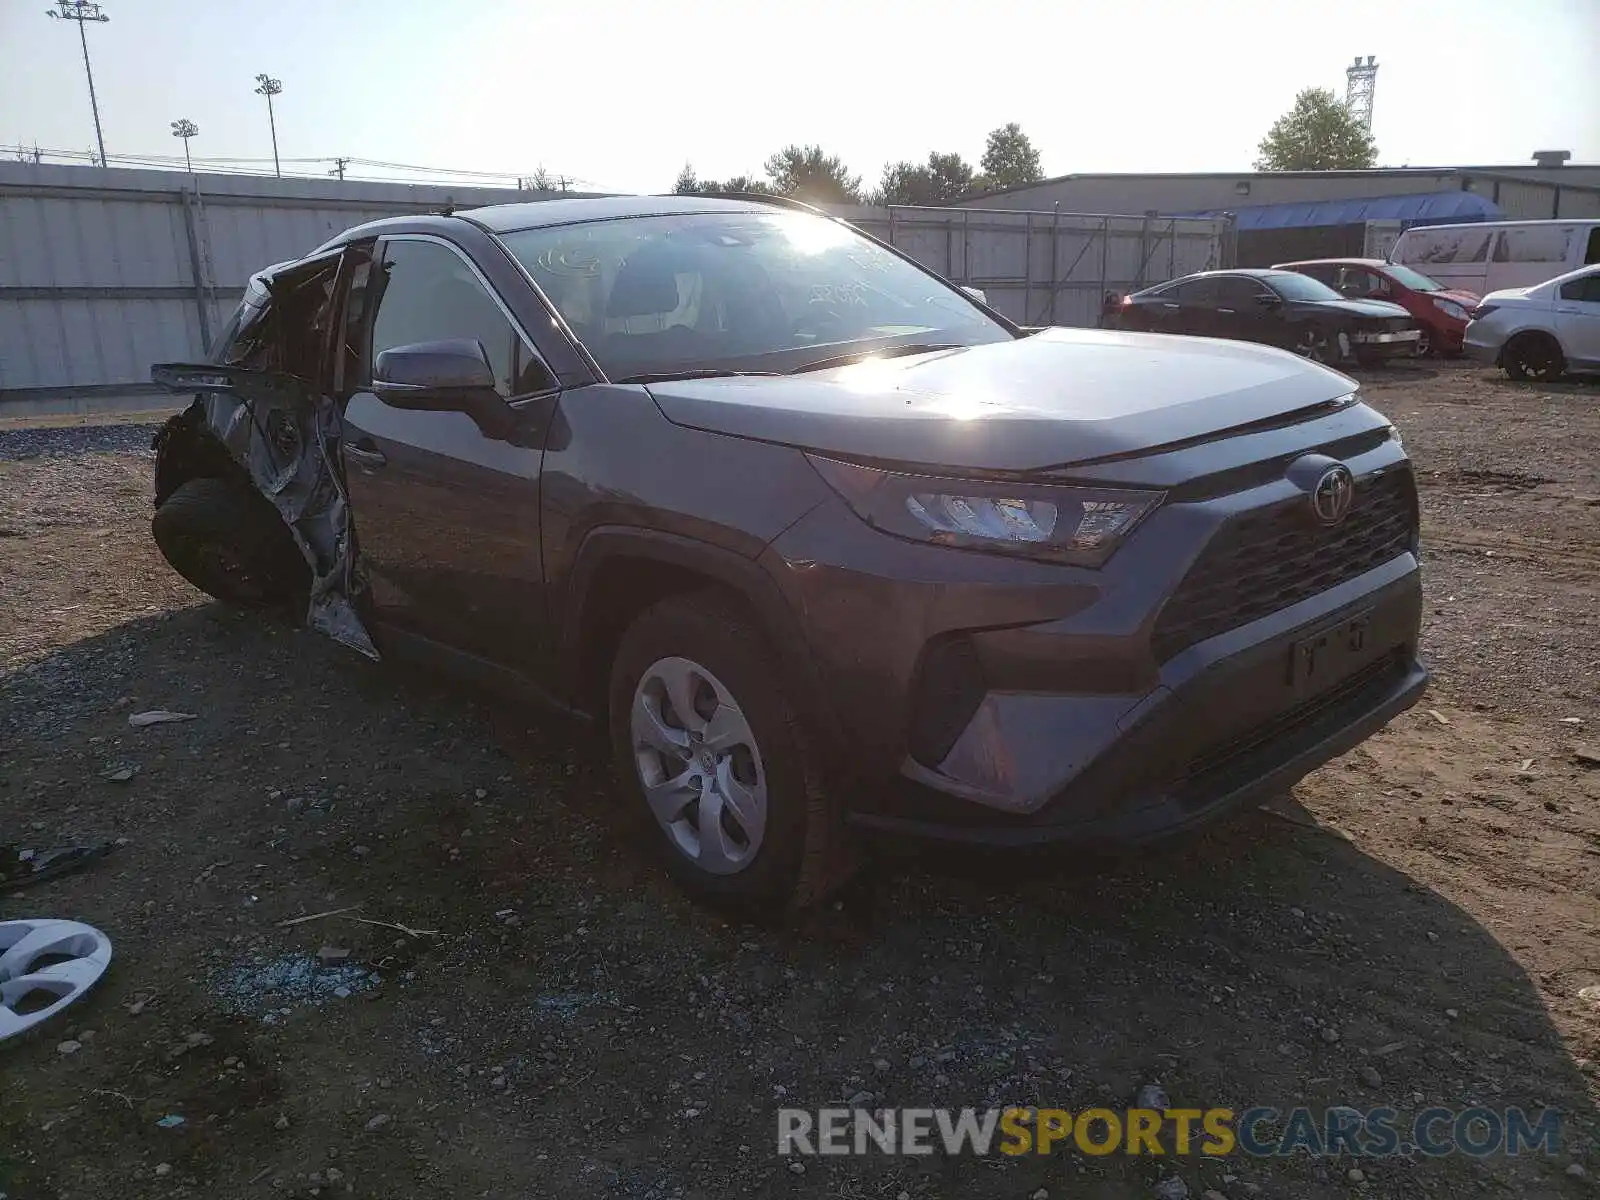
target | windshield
[
  {"x": 1415, "y": 280},
  {"x": 738, "y": 291},
  {"x": 1300, "y": 287}
]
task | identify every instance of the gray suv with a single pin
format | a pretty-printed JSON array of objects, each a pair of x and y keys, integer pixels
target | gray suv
[{"x": 820, "y": 542}]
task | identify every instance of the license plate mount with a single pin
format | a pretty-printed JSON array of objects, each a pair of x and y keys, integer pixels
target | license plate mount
[{"x": 1320, "y": 659}]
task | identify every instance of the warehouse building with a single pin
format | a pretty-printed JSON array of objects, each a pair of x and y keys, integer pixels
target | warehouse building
[{"x": 1283, "y": 215}]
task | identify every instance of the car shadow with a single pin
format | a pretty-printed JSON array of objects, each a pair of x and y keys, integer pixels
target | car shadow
[{"x": 1269, "y": 961}]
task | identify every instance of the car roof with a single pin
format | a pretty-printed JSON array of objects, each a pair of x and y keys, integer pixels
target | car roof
[
  {"x": 1252, "y": 272},
  {"x": 537, "y": 214},
  {"x": 1332, "y": 262}
]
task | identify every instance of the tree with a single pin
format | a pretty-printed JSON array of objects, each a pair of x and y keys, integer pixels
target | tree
[
  {"x": 689, "y": 184},
  {"x": 1317, "y": 134},
  {"x": 946, "y": 177},
  {"x": 807, "y": 173},
  {"x": 1009, "y": 159}
]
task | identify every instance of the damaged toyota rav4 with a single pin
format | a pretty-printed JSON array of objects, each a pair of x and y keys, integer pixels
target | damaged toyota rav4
[{"x": 822, "y": 543}]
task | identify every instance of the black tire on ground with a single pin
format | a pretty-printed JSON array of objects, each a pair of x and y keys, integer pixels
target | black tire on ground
[
  {"x": 804, "y": 853},
  {"x": 1533, "y": 356},
  {"x": 227, "y": 539}
]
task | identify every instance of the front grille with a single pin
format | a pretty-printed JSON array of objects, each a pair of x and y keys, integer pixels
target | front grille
[{"x": 1263, "y": 561}]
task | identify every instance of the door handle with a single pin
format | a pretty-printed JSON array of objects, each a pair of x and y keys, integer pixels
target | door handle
[{"x": 367, "y": 456}]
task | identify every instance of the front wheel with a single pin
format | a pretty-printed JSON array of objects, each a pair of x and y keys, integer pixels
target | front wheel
[
  {"x": 722, "y": 777},
  {"x": 228, "y": 540},
  {"x": 1533, "y": 356},
  {"x": 1321, "y": 345}
]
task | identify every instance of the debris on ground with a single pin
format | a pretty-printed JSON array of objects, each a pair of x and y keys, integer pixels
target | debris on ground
[
  {"x": 157, "y": 716},
  {"x": 273, "y": 988},
  {"x": 21, "y": 867}
]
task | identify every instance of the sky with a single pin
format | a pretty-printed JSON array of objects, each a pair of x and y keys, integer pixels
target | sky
[{"x": 620, "y": 94}]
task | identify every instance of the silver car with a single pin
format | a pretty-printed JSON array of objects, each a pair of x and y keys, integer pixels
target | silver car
[{"x": 1540, "y": 332}]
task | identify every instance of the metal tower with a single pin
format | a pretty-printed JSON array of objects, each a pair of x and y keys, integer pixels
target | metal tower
[
  {"x": 82, "y": 11},
  {"x": 1360, "y": 79}
]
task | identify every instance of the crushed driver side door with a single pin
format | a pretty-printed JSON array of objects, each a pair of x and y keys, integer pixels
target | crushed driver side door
[{"x": 275, "y": 409}]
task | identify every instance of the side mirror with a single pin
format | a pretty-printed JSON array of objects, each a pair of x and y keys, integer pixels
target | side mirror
[
  {"x": 976, "y": 293},
  {"x": 1267, "y": 300},
  {"x": 453, "y": 375},
  {"x": 432, "y": 374}
]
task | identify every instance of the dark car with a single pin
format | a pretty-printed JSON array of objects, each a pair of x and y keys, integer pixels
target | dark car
[
  {"x": 1280, "y": 308},
  {"x": 1441, "y": 313},
  {"x": 821, "y": 543}
]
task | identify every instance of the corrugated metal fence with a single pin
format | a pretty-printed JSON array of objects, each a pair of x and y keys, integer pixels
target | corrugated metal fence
[
  {"x": 103, "y": 272},
  {"x": 1049, "y": 268}
]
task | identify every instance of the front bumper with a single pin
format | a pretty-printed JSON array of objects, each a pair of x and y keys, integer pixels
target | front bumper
[
  {"x": 1386, "y": 345},
  {"x": 1010, "y": 701},
  {"x": 1481, "y": 349},
  {"x": 1233, "y": 732}
]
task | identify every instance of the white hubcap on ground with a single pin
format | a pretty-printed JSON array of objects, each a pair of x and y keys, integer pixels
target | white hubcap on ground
[
  {"x": 45, "y": 966},
  {"x": 699, "y": 765}
]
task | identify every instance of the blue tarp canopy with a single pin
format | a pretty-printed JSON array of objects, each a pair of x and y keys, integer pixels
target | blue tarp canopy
[{"x": 1426, "y": 208}]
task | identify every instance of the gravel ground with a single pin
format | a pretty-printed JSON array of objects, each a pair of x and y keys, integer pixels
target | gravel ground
[
  {"x": 1411, "y": 929},
  {"x": 21, "y": 443}
]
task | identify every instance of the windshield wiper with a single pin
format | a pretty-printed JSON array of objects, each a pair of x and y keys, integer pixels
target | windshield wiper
[
  {"x": 845, "y": 360},
  {"x": 698, "y": 373}
]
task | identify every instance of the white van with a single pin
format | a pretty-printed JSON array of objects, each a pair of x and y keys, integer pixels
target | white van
[{"x": 1489, "y": 255}]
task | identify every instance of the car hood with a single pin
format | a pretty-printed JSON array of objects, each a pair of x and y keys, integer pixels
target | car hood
[
  {"x": 1459, "y": 295},
  {"x": 1357, "y": 308},
  {"x": 1517, "y": 293},
  {"x": 1058, "y": 397}
]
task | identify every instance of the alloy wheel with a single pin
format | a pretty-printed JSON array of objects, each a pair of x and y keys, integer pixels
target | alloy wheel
[
  {"x": 699, "y": 765},
  {"x": 1313, "y": 344}
]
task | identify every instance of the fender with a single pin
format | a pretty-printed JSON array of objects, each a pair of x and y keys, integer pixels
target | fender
[{"x": 605, "y": 543}]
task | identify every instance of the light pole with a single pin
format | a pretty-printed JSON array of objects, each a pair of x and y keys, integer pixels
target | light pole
[
  {"x": 270, "y": 87},
  {"x": 81, "y": 11},
  {"x": 185, "y": 129}
]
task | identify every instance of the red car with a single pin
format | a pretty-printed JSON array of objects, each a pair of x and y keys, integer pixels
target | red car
[{"x": 1441, "y": 312}]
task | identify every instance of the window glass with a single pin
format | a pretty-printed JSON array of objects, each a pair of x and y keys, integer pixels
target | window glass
[
  {"x": 1239, "y": 293},
  {"x": 1419, "y": 246},
  {"x": 1586, "y": 289},
  {"x": 1534, "y": 244},
  {"x": 1298, "y": 287},
  {"x": 1592, "y": 254},
  {"x": 430, "y": 294},
  {"x": 1415, "y": 280},
  {"x": 1201, "y": 293},
  {"x": 729, "y": 290}
]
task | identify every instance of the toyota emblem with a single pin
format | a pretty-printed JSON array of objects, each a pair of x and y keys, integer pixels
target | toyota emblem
[{"x": 1331, "y": 497}]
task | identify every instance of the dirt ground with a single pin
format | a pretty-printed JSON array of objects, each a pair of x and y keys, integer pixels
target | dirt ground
[{"x": 1415, "y": 933}]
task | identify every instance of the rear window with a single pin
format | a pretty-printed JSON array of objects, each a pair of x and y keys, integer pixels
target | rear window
[{"x": 1291, "y": 286}]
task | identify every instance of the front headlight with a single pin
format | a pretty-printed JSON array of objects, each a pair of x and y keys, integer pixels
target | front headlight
[
  {"x": 1450, "y": 309},
  {"x": 1078, "y": 525}
]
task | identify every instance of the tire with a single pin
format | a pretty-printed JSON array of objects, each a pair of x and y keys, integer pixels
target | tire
[
  {"x": 1321, "y": 345},
  {"x": 228, "y": 540},
  {"x": 1535, "y": 356},
  {"x": 1425, "y": 343},
  {"x": 780, "y": 842}
]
